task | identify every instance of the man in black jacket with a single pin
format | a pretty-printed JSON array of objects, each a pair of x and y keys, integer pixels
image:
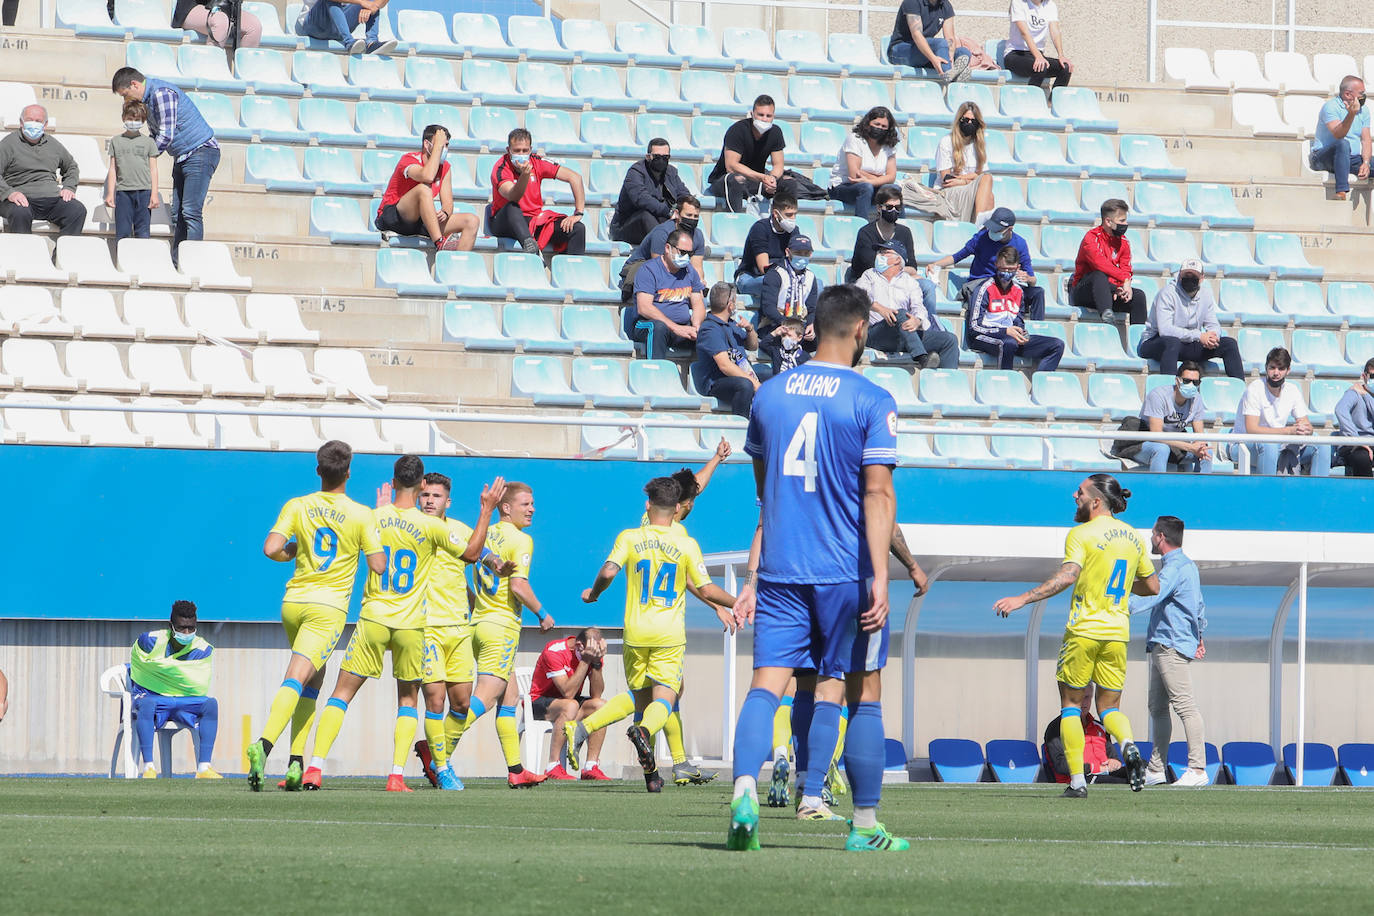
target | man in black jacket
[{"x": 651, "y": 189}]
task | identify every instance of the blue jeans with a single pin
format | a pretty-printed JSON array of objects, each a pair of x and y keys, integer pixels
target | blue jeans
[
  {"x": 1269, "y": 457},
  {"x": 858, "y": 193},
  {"x": 330, "y": 21},
  {"x": 132, "y": 216},
  {"x": 747, "y": 284},
  {"x": 1332, "y": 157},
  {"x": 151, "y": 711},
  {"x": 190, "y": 184},
  {"x": 1156, "y": 455},
  {"x": 903, "y": 52}
]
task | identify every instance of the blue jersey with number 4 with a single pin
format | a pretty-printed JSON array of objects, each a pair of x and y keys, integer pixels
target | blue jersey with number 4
[{"x": 815, "y": 427}]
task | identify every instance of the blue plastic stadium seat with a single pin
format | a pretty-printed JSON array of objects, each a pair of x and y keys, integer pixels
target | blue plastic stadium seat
[
  {"x": 750, "y": 85},
  {"x": 728, "y": 231},
  {"x": 915, "y": 451},
  {"x": 948, "y": 236},
  {"x": 320, "y": 72},
  {"x": 535, "y": 36},
  {"x": 1249, "y": 300},
  {"x": 266, "y": 71},
  {"x": 1161, "y": 202},
  {"x": 1018, "y": 451},
  {"x": 540, "y": 378},
  {"x": 674, "y": 444},
  {"x": 88, "y": 18},
  {"x": 1013, "y": 760},
  {"x": 379, "y": 78},
  {"x": 603, "y": 380},
  {"x": 218, "y": 111},
  {"x": 1322, "y": 397},
  {"x": 899, "y": 383},
  {"x": 157, "y": 60},
  {"x": 1058, "y": 247},
  {"x": 270, "y": 119},
  {"x": 660, "y": 381},
  {"x": 427, "y": 33},
  {"x": 956, "y": 760},
  {"x": 433, "y": 78},
  {"x": 709, "y": 91},
  {"x": 480, "y": 34},
  {"x": 1171, "y": 247},
  {"x": 609, "y": 133},
  {"x": 1056, "y": 198},
  {"x": 1062, "y": 394},
  {"x": 921, "y": 143},
  {"x": 327, "y": 121},
  {"x": 1283, "y": 252},
  {"x": 668, "y": 127},
  {"x": 385, "y": 124},
  {"x": 1230, "y": 251},
  {"x": 818, "y": 97},
  {"x": 206, "y": 67},
  {"x": 823, "y": 141},
  {"x": 273, "y": 35},
  {"x": 1001, "y": 161},
  {"x": 861, "y": 94},
  {"x": 1352, "y": 301},
  {"x": 1007, "y": 392},
  {"x": 805, "y": 51},
  {"x": 1026, "y": 106},
  {"x": 407, "y": 271},
  {"x": 1114, "y": 393},
  {"x": 605, "y": 178},
  {"x": 589, "y": 40},
  {"x": 1079, "y": 106},
  {"x": 534, "y": 327},
  {"x": 1096, "y": 155},
  {"x": 1321, "y": 352},
  {"x": 1359, "y": 346},
  {"x": 1080, "y": 454},
  {"x": 753, "y": 50},
  {"x": 922, "y": 101},
  {"x": 275, "y": 167},
  {"x": 581, "y": 277},
  {"x": 1303, "y": 300},
  {"x": 699, "y": 46},
  {"x": 465, "y": 272},
  {"x": 553, "y": 132},
  {"x": 949, "y": 392},
  {"x": 146, "y": 19},
  {"x": 1178, "y": 759},
  {"x": 493, "y": 123},
  {"x": 490, "y": 81},
  {"x": 966, "y": 451},
  {"x": 855, "y": 54},
  {"x": 474, "y": 325},
  {"x": 1146, "y": 154},
  {"x": 594, "y": 329},
  {"x": 646, "y": 44},
  {"x": 1357, "y": 763},
  {"x": 607, "y": 441},
  {"x": 1009, "y": 193},
  {"x": 1248, "y": 763},
  {"x": 1100, "y": 344},
  {"x": 522, "y": 276},
  {"x": 547, "y": 82},
  {"x": 340, "y": 220},
  {"x": 655, "y": 88},
  {"x": 1222, "y": 396},
  {"x": 1216, "y": 204},
  {"x": 1042, "y": 152},
  {"x": 1096, "y": 191}
]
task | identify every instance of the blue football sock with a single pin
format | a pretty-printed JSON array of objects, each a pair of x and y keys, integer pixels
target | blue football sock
[
  {"x": 208, "y": 726},
  {"x": 864, "y": 753},
  {"x": 803, "y": 708},
  {"x": 754, "y": 732},
  {"x": 825, "y": 734}
]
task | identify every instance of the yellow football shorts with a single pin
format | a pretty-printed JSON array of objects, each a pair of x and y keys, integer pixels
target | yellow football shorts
[
  {"x": 493, "y": 646},
  {"x": 371, "y": 640},
  {"x": 1101, "y": 661},
  {"x": 649, "y": 665},
  {"x": 448, "y": 655},
  {"x": 312, "y": 629}
]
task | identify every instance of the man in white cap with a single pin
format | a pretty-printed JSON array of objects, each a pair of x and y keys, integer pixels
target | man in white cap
[{"x": 1183, "y": 326}]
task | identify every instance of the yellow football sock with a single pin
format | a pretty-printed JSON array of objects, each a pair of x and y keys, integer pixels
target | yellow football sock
[
  {"x": 509, "y": 736},
  {"x": 672, "y": 730},
  {"x": 302, "y": 719},
  {"x": 1116, "y": 723},
  {"x": 782, "y": 725},
  {"x": 1071, "y": 733},
  {"x": 331, "y": 720},
  {"x": 453, "y": 731},
  {"x": 434, "y": 734},
  {"x": 656, "y": 715},
  {"x": 404, "y": 736},
  {"x": 615, "y": 709},
  {"x": 839, "y": 745},
  {"x": 283, "y": 705}
]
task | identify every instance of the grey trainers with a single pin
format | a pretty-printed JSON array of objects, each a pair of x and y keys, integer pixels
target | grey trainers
[
  {"x": 959, "y": 70},
  {"x": 357, "y": 46}
]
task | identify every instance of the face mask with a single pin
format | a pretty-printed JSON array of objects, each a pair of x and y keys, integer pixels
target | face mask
[
  {"x": 790, "y": 344},
  {"x": 1360, "y": 99},
  {"x": 133, "y": 126},
  {"x": 968, "y": 127},
  {"x": 999, "y": 236},
  {"x": 1188, "y": 390},
  {"x": 688, "y": 223},
  {"x": 658, "y": 164},
  {"x": 1190, "y": 285},
  {"x": 33, "y": 129},
  {"x": 881, "y": 263},
  {"x": 800, "y": 263},
  {"x": 890, "y": 216},
  {"x": 876, "y": 133},
  {"x": 1005, "y": 278},
  {"x": 1118, "y": 230},
  {"x": 681, "y": 260},
  {"x": 785, "y": 224},
  {"x": 183, "y": 639},
  {"x": 762, "y": 126},
  {"x": 520, "y": 159}
]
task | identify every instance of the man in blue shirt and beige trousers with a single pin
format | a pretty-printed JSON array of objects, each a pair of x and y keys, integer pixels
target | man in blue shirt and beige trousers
[{"x": 1173, "y": 640}]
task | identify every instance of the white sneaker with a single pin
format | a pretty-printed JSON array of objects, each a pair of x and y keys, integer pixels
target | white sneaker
[
  {"x": 1193, "y": 778},
  {"x": 1155, "y": 777}
]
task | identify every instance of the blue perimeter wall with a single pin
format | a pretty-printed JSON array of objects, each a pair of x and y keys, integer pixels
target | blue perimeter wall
[{"x": 125, "y": 532}]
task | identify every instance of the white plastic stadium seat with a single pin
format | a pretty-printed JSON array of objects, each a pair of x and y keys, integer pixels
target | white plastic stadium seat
[
  {"x": 99, "y": 366},
  {"x": 277, "y": 316},
  {"x": 28, "y": 311},
  {"x": 225, "y": 370},
  {"x": 166, "y": 430},
  {"x": 88, "y": 258},
  {"x": 347, "y": 372},
  {"x": 358, "y": 432},
  {"x": 92, "y": 313},
  {"x": 28, "y": 259},
  {"x": 160, "y": 367},
  {"x": 416, "y": 437},
  {"x": 283, "y": 370},
  {"x": 114, "y": 682},
  {"x": 1300, "y": 112},
  {"x": 153, "y": 313},
  {"x": 532, "y": 744},
  {"x": 1289, "y": 68},
  {"x": 14, "y": 98},
  {"x": 293, "y": 434},
  {"x": 103, "y": 427},
  {"x": 38, "y": 426},
  {"x": 90, "y": 161},
  {"x": 1330, "y": 69},
  {"x": 1260, "y": 113},
  {"x": 235, "y": 430},
  {"x": 1242, "y": 70},
  {"x": 149, "y": 261},
  {"x": 209, "y": 264},
  {"x": 1193, "y": 67},
  {"x": 217, "y": 315},
  {"x": 33, "y": 363}
]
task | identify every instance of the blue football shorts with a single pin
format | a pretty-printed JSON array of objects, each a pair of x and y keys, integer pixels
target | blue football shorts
[{"x": 816, "y": 628}]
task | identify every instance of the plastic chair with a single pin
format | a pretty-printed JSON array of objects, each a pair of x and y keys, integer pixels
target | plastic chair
[
  {"x": 1321, "y": 352},
  {"x": 146, "y": 19},
  {"x": 474, "y": 325},
  {"x": 1026, "y": 106},
  {"x": 547, "y": 82},
  {"x": 1178, "y": 759},
  {"x": 1230, "y": 251},
  {"x": 276, "y": 168},
  {"x": 1217, "y": 205},
  {"x": 818, "y": 97},
  {"x": 206, "y": 67},
  {"x": 1062, "y": 394},
  {"x": 956, "y": 760},
  {"x": 803, "y": 48},
  {"x": 92, "y": 313},
  {"x": 490, "y": 81},
  {"x": 1248, "y": 299},
  {"x": 104, "y": 428},
  {"x": 1057, "y": 198},
  {"x": 427, "y": 33},
  {"x": 1096, "y": 155},
  {"x": 273, "y": 35},
  {"x": 1059, "y": 247},
  {"x": 114, "y": 682},
  {"x": 266, "y": 71},
  {"x": 655, "y": 87},
  {"x": 535, "y": 36},
  {"x": 218, "y": 111},
  {"x": 646, "y": 44},
  {"x": 283, "y": 370},
  {"x": 661, "y": 126},
  {"x": 1248, "y": 763},
  {"x": 540, "y": 378},
  {"x": 270, "y": 119},
  {"x": 609, "y": 133},
  {"x": 209, "y": 265},
  {"x": 522, "y": 276},
  {"x": 1161, "y": 203},
  {"x": 603, "y": 380},
  {"x": 949, "y": 392},
  {"x": 660, "y": 382},
  {"x": 465, "y": 272},
  {"x": 699, "y": 46},
  {"x": 88, "y": 18},
  {"x": 898, "y": 382},
  {"x": 856, "y": 55},
  {"x": 1302, "y": 299},
  {"x": 534, "y": 328},
  {"x": 1013, "y": 761},
  {"x": 154, "y": 315},
  {"x": 1078, "y": 106},
  {"x": 1242, "y": 70},
  {"x": 1222, "y": 395},
  {"x": 922, "y": 101},
  {"x": 1283, "y": 252},
  {"x": 1146, "y": 154},
  {"x": 1352, "y": 301},
  {"x": 150, "y": 262},
  {"x": 385, "y": 124},
  {"x": 753, "y": 50},
  {"x": 339, "y": 220},
  {"x": 1357, "y": 763},
  {"x": 1042, "y": 152},
  {"x": 710, "y": 91},
  {"x": 1080, "y": 454},
  {"x": 581, "y": 277},
  {"x": 335, "y": 171},
  {"x": 433, "y": 78},
  {"x": 406, "y": 271},
  {"x": 1194, "y": 68},
  {"x": 321, "y": 72},
  {"x": 1171, "y": 246},
  {"x": 1117, "y": 394},
  {"x": 480, "y": 35},
  {"x": 277, "y": 317},
  {"x": 553, "y": 133},
  {"x": 966, "y": 451},
  {"x": 589, "y": 40},
  {"x": 1008, "y": 393}
]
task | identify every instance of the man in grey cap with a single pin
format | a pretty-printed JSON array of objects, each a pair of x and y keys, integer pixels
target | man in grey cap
[
  {"x": 996, "y": 233},
  {"x": 1183, "y": 325}
]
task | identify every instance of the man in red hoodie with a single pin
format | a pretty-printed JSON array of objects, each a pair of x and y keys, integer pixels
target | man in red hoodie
[
  {"x": 1100, "y": 756},
  {"x": 1102, "y": 273}
]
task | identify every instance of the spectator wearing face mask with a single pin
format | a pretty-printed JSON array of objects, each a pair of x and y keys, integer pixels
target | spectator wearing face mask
[
  {"x": 963, "y": 188},
  {"x": 517, "y": 211},
  {"x": 883, "y": 227},
  {"x": 170, "y": 670},
  {"x": 722, "y": 369},
  {"x": 902, "y": 319},
  {"x": 1102, "y": 272},
  {"x": 996, "y": 324},
  {"x": 751, "y": 155},
  {"x": 766, "y": 242},
  {"x": 668, "y": 308},
  {"x": 1176, "y": 408},
  {"x": 1182, "y": 324},
  {"x": 30, "y": 164},
  {"x": 648, "y": 195},
  {"x": 867, "y": 160},
  {"x": 1341, "y": 143},
  {"x": 1355, "y": 416},
  {"x": 997, "y": 233},
  {"x": 685, "y": 215},
  {"x": 1274, "y": 406},
  {"x": 789, "y": 291}
]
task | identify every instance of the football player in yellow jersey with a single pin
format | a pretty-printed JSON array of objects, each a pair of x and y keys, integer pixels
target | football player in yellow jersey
[
  {"x": 496, "y": 627},
  {"x": 449, "y": 667},
  {"x": 1104, "y": 560},
  {"x": 323, "y": 533},
  {"x": 393, "y": 613},
  {"x": 662, "y": 564}
]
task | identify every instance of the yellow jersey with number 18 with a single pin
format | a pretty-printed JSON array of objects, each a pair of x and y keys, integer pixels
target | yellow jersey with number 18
[
  {"x": 495, "y": 601},
  {"x": 410, "y": 539},
  {"x": 659, "y": 562},
  {"x": 330, "y": 531},
  {"x": 447, "y": 602},
  {"x": 1111, "y": 556}
]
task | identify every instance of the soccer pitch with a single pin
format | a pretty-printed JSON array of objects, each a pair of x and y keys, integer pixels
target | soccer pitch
[{"x": 174, "y": 845}]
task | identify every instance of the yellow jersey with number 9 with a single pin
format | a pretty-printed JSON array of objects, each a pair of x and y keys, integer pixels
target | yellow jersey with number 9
[
  {"x": 410, "y": 539},
  {"x": 447, "y": 602},
  {"x": 330, "y": 531},
  {"x": 659, "y": 563},
  {"x": 495, "y": 601},
  {"x": 1112, "y": 556}
]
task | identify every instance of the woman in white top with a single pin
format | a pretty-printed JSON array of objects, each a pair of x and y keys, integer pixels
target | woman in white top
[
  {"x": 961, "y": 168},
  {"x": 867, "y": 161},
  {"x": 1032, "y": 21}
]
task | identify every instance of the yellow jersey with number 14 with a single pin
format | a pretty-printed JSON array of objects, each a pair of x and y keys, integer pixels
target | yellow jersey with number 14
[
  {"x": 410, "y": 539},
  {"x": 496, "y": 603},
  {"x": 447, "y": 602},
  {"x": 1111, "y": 556},
  {"x": 330, "y": 531},
  {"x": 659, "y": 562}
]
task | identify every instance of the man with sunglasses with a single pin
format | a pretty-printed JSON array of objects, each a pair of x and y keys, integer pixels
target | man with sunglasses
[
  {"x": 668, "y": 308},
  {"x": 648, "y": 195}
]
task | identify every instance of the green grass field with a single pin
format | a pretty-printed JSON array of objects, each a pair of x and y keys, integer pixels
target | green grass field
[{"x": 175, "y": 845}]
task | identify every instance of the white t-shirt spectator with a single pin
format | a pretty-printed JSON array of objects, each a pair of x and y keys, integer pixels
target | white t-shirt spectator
[
  {"x": 1273, "y": 412},
  {"x": 869, "y": 162},
  {"x": 944, "y": 157},
  {"x": 1037, "y": 17}
]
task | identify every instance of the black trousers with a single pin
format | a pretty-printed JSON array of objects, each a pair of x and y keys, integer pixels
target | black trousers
[
  {"x": 69, "y": 216},
  {"x": 633, "y": 230},
  {"x": 1170, "y": 350},
  {"x": 1095, "y": 291},
  {"x": 1022, "y": 63},
  {"x": 1356, "y": 460},
  {"x": 510, "y": 223}
]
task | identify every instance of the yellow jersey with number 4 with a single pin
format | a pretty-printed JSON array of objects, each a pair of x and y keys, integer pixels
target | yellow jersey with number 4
[
  {"x": 330, "y": 531},
  {"x": 659, "y": 562},
  {"x": 410, "y": 539},
  {"x": 496, "y": 603},
  {"x": 1112, "y": 556},
  {"x": 447, "y": 602}
]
